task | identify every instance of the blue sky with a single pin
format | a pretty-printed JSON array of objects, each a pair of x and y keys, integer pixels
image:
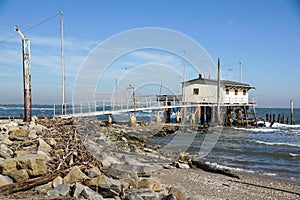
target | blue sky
[{"x": 263, "y": 35}]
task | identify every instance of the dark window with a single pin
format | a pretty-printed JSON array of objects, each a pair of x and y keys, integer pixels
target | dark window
[
  {"x": 236, "y": 92},
  {"x": 196, "y": 91},
  {"x": 244, "y": 92},
  {"x": 227, "y": 91}
]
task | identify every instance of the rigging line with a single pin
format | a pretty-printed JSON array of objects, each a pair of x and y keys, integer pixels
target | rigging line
[
  {"x": 31, "y": 27},
  {"x": 51, "y": 17}
]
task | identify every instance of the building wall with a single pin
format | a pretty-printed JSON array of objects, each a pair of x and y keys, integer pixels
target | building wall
[
  {"x": 233, "y": 97},
  {"x": 201, "y": 92},
  {"x": 206, "y": 94}
]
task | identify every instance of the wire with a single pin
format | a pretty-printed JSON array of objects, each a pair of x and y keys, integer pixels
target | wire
[{"x": 31, "y": 27}]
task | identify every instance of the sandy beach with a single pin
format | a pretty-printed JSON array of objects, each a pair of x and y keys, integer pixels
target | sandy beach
[{"x": 199, "y": 184}]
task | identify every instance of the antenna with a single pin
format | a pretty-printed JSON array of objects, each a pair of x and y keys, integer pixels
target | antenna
[{"x": 241, "y": 64}]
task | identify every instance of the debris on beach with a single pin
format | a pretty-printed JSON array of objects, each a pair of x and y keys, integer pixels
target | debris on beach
[{"x": 49, "y": 158}]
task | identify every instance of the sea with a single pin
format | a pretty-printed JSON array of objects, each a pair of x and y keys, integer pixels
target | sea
[{"x": 267, "y": 151}]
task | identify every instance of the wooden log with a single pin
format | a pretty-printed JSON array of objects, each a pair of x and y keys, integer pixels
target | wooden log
[
  {"x": 209, "y": 168},
  {"x": 26, "y": 184}
]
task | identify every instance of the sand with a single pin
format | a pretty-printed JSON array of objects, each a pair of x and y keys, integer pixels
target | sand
[{"x": 198, "y": 184}]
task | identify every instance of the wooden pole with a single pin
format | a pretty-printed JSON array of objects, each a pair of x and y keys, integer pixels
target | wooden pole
[
  {"x": 218, "y": 94},
  {"x": 183, "y": 92},
  {"x": 246, "y": 115},
  {"x": 254, "y": 113},
  {"x": 292, "y": 111}
]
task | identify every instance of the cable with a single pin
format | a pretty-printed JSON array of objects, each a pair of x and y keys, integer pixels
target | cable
[{"x": 31, "y": 27}]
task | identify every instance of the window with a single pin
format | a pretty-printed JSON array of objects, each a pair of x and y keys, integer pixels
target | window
[
  {"x": 196, "y": 91},
  {"x": 227, "y": 91},
  {"x": 236, "y": 92},
  {"x": 244, "y": 92}
]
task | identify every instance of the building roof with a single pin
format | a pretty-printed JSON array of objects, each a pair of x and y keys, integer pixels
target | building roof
[{"x": 226, "y": 83}]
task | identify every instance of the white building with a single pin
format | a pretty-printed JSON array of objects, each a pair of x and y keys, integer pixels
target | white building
[{"x": 204, "y": 91}]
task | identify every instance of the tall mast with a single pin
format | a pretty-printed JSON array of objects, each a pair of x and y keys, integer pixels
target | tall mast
[
  {"x": 183, "y": 89},
  {"x": 241, "y": 77},
  {"x": 218, "y": 94},
  {"x": 63, "y": 106}
]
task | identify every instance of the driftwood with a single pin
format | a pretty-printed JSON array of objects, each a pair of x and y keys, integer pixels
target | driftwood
[
  {"x": 72, "y": 150},
  {"x": 267, "y": 187},
  {"x": 209, "y": 168},
  {"x": 26, "y": 184}
]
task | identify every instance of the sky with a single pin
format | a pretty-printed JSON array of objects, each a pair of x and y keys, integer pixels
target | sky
[{"x": 263, "y": 35}]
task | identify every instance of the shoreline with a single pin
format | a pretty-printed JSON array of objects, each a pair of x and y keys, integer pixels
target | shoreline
[
  {"x": 122, "y": 151},
  {"x": 156, "y": 127},
  {"x": 205, "y": 185}
]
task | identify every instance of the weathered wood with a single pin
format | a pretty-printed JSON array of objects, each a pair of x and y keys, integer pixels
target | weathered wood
[
  {"x": 255, "y": 118},
  {"x": 209, "y": 168},
  {"x": 26, "y": 184},
  {"x": 292, "y": 111},
  {"x": 267, "y": 187}
]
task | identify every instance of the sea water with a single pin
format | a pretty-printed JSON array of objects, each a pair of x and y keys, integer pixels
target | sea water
[{"x": 270, "y": 151}]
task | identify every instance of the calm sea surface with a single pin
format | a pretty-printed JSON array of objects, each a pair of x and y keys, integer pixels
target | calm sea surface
[{"x": 270, "y": 151}]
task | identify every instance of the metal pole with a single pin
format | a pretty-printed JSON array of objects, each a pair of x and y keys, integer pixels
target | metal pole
[
  {"x": 62, "y": 62},
  {"x": 26, "y": 76}
]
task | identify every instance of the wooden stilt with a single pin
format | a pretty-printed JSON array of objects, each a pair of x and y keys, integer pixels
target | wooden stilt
[
  {"x": 246, "y": 115},
  {"x": 292, "y": 111},
  {"x": 254, "y": 113}
]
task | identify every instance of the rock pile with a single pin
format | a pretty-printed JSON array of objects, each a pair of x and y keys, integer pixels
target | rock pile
[{"x": 51, "y": 158}]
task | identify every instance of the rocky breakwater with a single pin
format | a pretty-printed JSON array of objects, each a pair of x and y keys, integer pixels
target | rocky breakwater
[{"x": 67, "y": 158}]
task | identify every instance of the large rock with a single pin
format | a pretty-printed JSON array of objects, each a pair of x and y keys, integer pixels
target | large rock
[
  {"x": 109, "y": 160},
  {"x": 43, "y": 146},
  {"x": 19, "y": 134},
  {"x": 4, "y": 180},
  {"x": 150, "y": 184},
  {"x": 14, "y": 128},
  {"x": 57, "y": 181},
  {"x": 131, "y": 182},
  {"x": 20, "y": 153},
  {"x": 88, "y": 193},
  {"x": 107, "y": 187},
  {"x": 142, "y": 194},
  {"x": 77, "y": 189},
  {"x": 184, "y": 157},
  {"x": 8, "y": 165},
  {"x": 6, "y": 140},
  {"x": 34, "y": 164},
  {"x": 177, "y": 193},
  {"x": 60, "y": 190},
  {"x": 19, "y": 175},
  {"x": 93, "y": 172},
  {"x": 97, "y": 181},
  {"x": 5, "y": 152},
  {"x": 75, "y": 175},
  {"x": 124, "y": 170}
]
